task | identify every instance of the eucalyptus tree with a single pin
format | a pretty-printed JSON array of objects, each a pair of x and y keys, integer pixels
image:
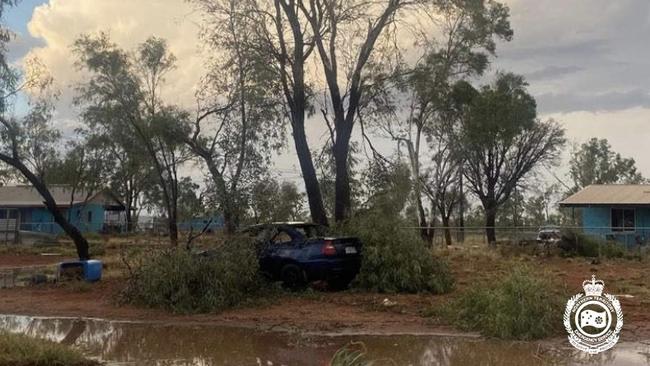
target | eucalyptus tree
[
  {"x": 271, "y": 200},
  {"x": 417, "y": 112},
  {"x": 83, "y": 168},
  {"x": 240, "y": 117},
  {"x": 279, "y": 35},
  {"x": 594, "y": 162},
  {"x": 123, "y": 91},
  {"x": 503, "y": 141},
  {"x": 27, "y": 144}
]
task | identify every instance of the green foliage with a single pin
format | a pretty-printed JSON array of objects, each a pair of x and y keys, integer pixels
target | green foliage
[
  {"x": 184, "y": 282},
  {"x": 576, "y": 243},
  {"x": 595, "y": 163},
  {"x": 396, "y": 259},
  {"x": 273, "y": 201},
  {"x": 352, "y": 354},
  {"x": 524, "y": 305},
  {"x": 22, "y": 350}
]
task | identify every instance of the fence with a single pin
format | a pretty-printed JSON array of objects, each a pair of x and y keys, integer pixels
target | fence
[{"x": 638, "y": 237}]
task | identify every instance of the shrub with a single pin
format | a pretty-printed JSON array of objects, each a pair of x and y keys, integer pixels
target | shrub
[
  {"x": 523, "y": 305},
  {"x": 395, "y": 259},
  {"x": 183, "y": 282},
  {"x": 576, "y": 243},
  {"x": 22, "y": 350}
]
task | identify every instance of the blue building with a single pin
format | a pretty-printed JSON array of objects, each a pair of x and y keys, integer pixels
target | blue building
[
  {"x": 209, "y": 223},
  {"x": 88, "y": 212},
  {"x": 619, "y": 212}
]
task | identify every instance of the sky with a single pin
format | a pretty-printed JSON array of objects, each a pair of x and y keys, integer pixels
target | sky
[{"x": 586, "y": 60}]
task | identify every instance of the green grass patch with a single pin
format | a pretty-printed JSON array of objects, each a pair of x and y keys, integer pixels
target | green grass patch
[
  {"x": 523, "y": 305},
  {"x": 21, "y": 350}
]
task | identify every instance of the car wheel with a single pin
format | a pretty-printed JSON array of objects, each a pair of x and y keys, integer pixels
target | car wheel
[{"x": 293, "y": 277}]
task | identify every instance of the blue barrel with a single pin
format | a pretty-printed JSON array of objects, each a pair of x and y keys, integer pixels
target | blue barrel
[{"x": 92, "y": 270}]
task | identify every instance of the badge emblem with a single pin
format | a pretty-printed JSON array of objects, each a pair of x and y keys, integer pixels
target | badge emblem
[{"x": 593, "y": 319}]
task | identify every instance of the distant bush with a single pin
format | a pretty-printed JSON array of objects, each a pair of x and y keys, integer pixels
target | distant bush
[
  {"x": 396, "y": 259},
  {"x": 22, "y": 350},
  {"x": 523, "y": 305},
  {"x": 182, "y": 282},
  {"x": 575, "y": 243}
]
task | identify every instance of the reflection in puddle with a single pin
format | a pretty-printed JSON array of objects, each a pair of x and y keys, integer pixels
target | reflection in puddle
[{"x": 151, "y": 344}]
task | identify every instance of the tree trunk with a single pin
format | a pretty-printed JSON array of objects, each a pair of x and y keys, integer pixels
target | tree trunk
[
  {"x": 461, "y": 212},
  {"x": 445, "y": 223},
  {"x": 230, "y": 220},
  {"x": 342, "y": 203},
  {"x": 314, "y": 196},
  {"x": 425, "y": 231},
  {"x": 173, "y": 231},
  {"x": 490, "y": 221},
  {"x": 79, "y": 241}
]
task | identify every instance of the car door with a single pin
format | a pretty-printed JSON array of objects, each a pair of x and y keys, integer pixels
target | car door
[{"x": 279, "y": 247}]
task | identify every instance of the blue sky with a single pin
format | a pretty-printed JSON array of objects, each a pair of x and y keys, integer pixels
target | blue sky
[{"x": 18, "y": 16}]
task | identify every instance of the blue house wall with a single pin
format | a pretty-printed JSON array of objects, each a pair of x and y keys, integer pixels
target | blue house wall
[
  {"x": 199, "y": 223},
  {"x": 597, "y": 221},
  {"x": 39, "y": 219}
]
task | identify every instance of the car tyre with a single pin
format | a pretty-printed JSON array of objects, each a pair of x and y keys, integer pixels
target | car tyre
[{"x": 293, "y": 277}]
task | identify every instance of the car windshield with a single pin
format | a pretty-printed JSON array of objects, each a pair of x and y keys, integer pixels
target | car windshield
[{"x": 311, "y": 231}]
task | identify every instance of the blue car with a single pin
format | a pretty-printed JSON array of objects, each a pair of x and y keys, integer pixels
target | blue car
[{"x": 298, "y": 253}]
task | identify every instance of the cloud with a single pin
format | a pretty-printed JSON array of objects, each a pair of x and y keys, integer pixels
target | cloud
[
  {"x": 613, "y": 101},
  {"x": 552, "y": 72},
  {"x": 58, "y": 23}
]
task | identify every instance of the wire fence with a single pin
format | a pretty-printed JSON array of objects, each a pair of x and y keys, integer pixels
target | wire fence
[
  {"x": 12, "y": 232},
  {"x": 525, "y": 235}
]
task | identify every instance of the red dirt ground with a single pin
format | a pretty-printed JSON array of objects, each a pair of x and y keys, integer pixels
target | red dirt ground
[
  {"x": 25, "y": 260},
  {"x": 337, "y": 312}
]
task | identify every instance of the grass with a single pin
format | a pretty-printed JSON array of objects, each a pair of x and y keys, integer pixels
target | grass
[
  {"x": 352, "y": 354},
  {"x": 523, "y": 305},
  {"x": 21, "y": 350}
]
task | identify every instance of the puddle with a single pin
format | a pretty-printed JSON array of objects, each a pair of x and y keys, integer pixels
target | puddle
[{"x": 121, "y": 343}]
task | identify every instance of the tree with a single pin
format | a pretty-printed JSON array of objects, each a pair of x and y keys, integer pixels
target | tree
[
  {"x": 124, "y": 90},
  {"x": 28, "y": 145},
  {"x": 422, "y": 109},
  {"x": 503, "y": 141},
  {"x": 240, "y": 123},
  {"x": 83, "y": 168},
  {"x": 272, "y": 201},
  {"x": 595, "y": 163},
  {"x": 128, "y": 170},
  {"x": 286, "y": 43},
  {"x": 25, "y": 143},
  {"x": 337, "y": 24}
]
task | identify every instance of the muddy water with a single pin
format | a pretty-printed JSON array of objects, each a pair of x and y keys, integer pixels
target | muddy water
[{"x": 120, "y": 343}]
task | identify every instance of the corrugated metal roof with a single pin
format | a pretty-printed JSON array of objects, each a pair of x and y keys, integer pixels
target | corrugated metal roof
[
  {"x": 28, "y": 196},
  {"x": 610, "y": 194}
]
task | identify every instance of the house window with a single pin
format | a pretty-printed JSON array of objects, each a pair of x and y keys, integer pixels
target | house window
[
  {"x": 622, "y": 219},
  {"x": 90, "y": 216}
]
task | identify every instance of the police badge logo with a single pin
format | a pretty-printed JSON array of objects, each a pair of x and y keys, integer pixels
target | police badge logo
[{"x": 593, "y": 319}]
